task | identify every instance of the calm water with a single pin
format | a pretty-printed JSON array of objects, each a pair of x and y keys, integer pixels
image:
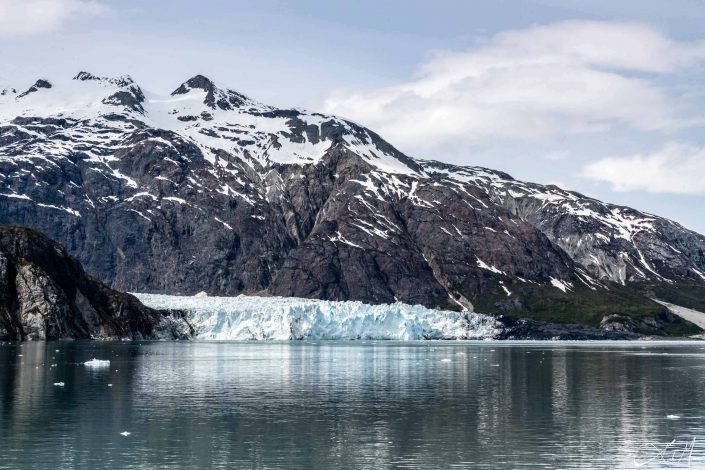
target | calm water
[{"x": 352, "y": 405}]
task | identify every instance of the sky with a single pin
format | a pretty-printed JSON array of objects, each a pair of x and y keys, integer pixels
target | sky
[{"x": 602, "y": 97}]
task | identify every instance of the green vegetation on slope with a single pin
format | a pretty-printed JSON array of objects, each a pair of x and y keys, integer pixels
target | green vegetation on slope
[{"x": 587, "y": 307}]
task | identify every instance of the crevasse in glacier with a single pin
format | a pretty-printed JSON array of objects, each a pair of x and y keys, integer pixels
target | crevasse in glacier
[{"x": 278, "y": 318}]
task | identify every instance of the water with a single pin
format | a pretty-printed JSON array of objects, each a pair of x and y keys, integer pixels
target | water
[{"x": 352, "y": 405}]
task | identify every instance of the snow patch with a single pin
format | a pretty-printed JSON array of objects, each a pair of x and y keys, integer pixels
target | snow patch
[
  {"x": 225, "y": 224},
  {"x": 558, "y": 284},
  {"x": 16, "y": 196},
  {"x": 60, "y": 208},
  {"x": 699, "y": 273},
  {"x": 483, "y": 265}
]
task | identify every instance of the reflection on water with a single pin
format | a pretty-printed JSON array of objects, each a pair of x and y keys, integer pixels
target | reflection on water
[{"x": 352, "y": 405}]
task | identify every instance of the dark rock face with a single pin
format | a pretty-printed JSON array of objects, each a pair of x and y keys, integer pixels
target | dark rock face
[
  {"x": 41, "y": 83},
  {"x": 526, "y": 329},
  {"x": 45, "y": 295},
  {"x": 208, "y": 190}
]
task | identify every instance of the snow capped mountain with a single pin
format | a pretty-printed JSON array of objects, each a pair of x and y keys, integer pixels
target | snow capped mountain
[{"x": 207, "y": 189}]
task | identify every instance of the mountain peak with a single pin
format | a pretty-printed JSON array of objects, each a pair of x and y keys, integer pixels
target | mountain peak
[
  {"x": 83, "y": 76},
  {"x": 121, "y": 81},
  {"x": 198, "y": 82},
  {"x": 41, "y": 83},
  {"x": 215, "y": 97}
]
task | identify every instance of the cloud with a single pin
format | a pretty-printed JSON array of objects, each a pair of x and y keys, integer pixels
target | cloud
[
  {"x": 676, "y": 168},
  {"x": 30, "y": 17},
  {"x": 533, "y": 84}
]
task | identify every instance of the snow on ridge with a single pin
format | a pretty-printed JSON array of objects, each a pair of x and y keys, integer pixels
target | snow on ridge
[
  {"x": 80, "y": 99},
  {"x": 280, "y": 318},
  {"x": 247, "y": 132}
]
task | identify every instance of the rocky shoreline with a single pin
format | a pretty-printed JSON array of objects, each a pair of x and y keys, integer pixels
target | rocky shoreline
[{"x": 46, "y": 295}]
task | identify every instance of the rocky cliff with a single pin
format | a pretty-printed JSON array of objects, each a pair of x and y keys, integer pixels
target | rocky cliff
[
  {"x": 45, "y": 295},
  {"x": 209, "y": 190}
]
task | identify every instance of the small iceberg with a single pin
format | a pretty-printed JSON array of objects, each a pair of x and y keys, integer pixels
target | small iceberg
[
  {"x": 125, "y": 433},
  {"x": 97, "y": 363},
  {"x": 673, "y": 417},
  {"x": 445, "y": 360},
  {"x": 59, "y": 384}
]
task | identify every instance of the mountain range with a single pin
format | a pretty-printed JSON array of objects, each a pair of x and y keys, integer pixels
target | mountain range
[{"x": 208, "y": 190}]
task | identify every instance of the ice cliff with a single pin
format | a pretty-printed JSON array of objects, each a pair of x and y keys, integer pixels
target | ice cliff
[{"x": 280, "y": 318}]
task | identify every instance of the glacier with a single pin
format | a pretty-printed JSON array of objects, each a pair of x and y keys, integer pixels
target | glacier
[{"x": 288, "y": 318}]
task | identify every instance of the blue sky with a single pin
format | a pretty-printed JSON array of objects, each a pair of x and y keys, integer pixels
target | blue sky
[{"x": 601, "y": 97}]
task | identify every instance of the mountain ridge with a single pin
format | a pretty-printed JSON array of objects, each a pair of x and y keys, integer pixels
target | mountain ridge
[{"x": 206, "y": 189}]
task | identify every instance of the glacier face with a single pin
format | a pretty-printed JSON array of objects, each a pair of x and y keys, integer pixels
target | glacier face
[{"x": 287, "y": 318}]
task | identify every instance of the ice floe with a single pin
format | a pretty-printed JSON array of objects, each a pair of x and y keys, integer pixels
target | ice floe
[{"x": 97, "y": 363}]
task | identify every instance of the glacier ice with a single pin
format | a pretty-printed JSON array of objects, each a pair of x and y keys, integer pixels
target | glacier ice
[{"x": 280, "y": 318}]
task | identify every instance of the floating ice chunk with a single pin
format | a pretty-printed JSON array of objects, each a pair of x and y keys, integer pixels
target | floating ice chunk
[
  {"x": 445, "y": 360},
  {"x": 59, "y": 384},
  {"x": 125, "y": 433},
  {"x": 97, "y": 363},
  {"x": 673, "y": 417},
  {"x": 202, "y": 294},
  {"x": 110, "y": 385}
]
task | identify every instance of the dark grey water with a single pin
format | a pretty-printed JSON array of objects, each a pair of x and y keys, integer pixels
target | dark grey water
[{"x": 352, "y": 405}]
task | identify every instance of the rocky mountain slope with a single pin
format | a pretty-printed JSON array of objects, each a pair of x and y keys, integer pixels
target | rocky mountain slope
[
  {"x": 206, "y": 189},
  {"x": 45, "y": 294}
]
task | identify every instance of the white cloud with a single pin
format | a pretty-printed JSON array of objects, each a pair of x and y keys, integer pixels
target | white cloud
[
  {"x": 532, "y": 85},
  {"x": 677, "y": 168},
  {"x": 28, "y": 17}
]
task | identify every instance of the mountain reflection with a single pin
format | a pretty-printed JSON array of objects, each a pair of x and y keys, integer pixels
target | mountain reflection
[{"x": 347, "y": 404}]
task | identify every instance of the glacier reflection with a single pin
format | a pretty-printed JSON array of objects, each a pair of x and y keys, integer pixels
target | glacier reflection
[{"x": 348, "y": 405}]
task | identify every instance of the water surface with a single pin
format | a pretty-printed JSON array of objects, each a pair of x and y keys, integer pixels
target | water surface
[{"x": 352, "y": 405}]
